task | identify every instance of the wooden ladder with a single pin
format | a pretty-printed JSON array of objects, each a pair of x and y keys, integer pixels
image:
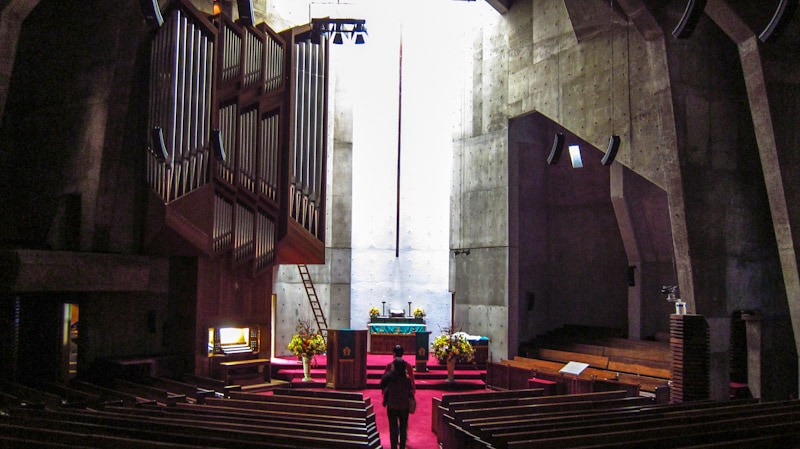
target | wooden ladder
[{"x": 316, "y": 307}]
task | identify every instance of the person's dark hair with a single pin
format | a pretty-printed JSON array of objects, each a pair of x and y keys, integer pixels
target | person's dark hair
[
  {"x": 398, "y": 351},
  {"x": 399, "y": 368}
]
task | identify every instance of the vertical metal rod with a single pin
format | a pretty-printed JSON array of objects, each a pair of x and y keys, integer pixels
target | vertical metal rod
[{"x": 399, "y": 140}]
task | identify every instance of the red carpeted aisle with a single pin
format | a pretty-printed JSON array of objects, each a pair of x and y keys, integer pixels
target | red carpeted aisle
[
  {"x": 420, "y": 435},
  {"x": 430, "y": 384}
]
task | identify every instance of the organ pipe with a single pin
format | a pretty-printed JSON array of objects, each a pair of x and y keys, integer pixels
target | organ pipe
[
  {"x": 180, "y": 104},
  {"x": 308, "y": 144}
]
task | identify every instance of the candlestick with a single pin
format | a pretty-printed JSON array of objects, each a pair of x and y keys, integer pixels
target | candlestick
[
  {"x": 409, "y": 308},
  {"x": 384, "y": 308}
]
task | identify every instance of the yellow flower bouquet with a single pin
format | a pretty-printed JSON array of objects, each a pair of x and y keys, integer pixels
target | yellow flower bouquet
[
  {"x": 452, "y": 347},
  {"x": 374, "y": 312},
  {"x": 419, "y": 313},
  {"x": 306, "y": 343}
]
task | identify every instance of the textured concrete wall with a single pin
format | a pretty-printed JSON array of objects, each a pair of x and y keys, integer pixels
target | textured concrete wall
[{"x": 681, "y": 108}]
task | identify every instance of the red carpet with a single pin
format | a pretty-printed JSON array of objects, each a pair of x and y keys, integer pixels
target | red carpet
[{"x": 420, "y": 435}]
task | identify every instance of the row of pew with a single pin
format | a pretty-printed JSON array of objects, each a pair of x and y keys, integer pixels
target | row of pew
[
  {"x": 494, "y": 420},
  {"x": 613, "y": 363},
  {"x": 198, "y": 413}
]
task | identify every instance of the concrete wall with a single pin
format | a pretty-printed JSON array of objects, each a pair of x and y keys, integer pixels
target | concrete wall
[{"x": 681, "y": 109}]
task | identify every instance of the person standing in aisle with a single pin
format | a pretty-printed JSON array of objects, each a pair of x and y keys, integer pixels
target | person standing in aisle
[{"x": 398, "y": 392}]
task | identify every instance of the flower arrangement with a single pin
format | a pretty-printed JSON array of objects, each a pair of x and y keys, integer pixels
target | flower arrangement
[
  {"x": 306, "y": 343},
  {"x": 374, "y": 312},
  {"x": 419, "y": 313},
  {"x": 452, "y": 347}
]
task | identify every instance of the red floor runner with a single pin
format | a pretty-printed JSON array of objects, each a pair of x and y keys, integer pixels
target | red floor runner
[{"x": 420, "y": 435}]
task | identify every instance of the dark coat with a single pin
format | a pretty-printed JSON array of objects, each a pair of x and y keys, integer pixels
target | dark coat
[{"x": 397, "y": 389}]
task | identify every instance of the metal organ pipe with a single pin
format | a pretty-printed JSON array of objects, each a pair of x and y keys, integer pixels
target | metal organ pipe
[
  {"x": 308, "y": 144},
  {"x": 265, "y": 241},
  {"x": 223, "y": 224},
  {"x": 269, "y": 155},
  {"x": 273, "y": 65},
  {"x": 243, "y": 236},
  {"x": 247, "y": 152},
  {"x": 254, "y": 53},
  {"x": 180, "y": 91},
  {"x": 231, "y": 55}
]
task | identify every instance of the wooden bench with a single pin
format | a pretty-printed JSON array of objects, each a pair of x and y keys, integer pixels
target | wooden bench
[
  {"x": 245, "y": 372},
  {"x": 193, "y": 392},
  {"x": 197, "y": 433},
  {"x": 314, "y": 393},
  {"x": 207, "y": 383},
  {"x": 450, "y": 434},
  {"x": 661, "y": 434},
  {"x": 299, "y": 399},
  {"x": 313, "y": 409},
  {"x": 523, "y": 428},
  {"x": 595, "y": 361},
  {"x": 646, "y": 378},
  {"x": 656, "y": 425},
  {"x": 460, "y": 400},
  {"x": 149, "y": 393}
]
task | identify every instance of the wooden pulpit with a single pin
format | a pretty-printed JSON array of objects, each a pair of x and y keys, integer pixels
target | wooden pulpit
[{"x": 347, "y": 359}]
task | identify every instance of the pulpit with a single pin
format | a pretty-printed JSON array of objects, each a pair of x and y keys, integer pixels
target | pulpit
[{"x": 347, "y": 359}]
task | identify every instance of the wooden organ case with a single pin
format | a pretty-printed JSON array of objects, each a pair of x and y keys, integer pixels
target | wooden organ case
[{"x": 236, "y": 160}]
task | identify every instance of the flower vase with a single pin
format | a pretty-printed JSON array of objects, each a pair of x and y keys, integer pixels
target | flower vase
[
  {"x": 307, "y": 369},
  {"x": 451, "y": 369}
]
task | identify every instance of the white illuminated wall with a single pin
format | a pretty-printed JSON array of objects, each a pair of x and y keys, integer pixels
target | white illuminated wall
[{"x": 436, "y": 42}]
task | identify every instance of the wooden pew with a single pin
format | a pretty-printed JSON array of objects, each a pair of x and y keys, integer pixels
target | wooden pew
[
  {"x": 111, "y": 395},
  {"x": 30, "y": 436},
  {"x": 520, "y": 427},
  {"x": 594, "y": 428},
  {"x": 450, "y": 434},
  {"x": 461, "y": 400},
  {"x": 207, "y": 383},
  {"x": 310, "y": 396},
  {"x": 198, "y": 433},
  {"x": 595, "y": 361},
  {"x": 147, "y": 392},
  {"x": 312, "y": 409},
  {"x": 646, "y": 379},
  {"x": 252, "y": 417},
  {"x": 192, "y": 392},
  {"x": 661, "y": 434},
  {"x": 31, "y": 395},
  {"x": 315, "y": 393}
]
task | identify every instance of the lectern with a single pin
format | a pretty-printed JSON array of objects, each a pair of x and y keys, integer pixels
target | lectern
[{"x": 347, "y": 359}]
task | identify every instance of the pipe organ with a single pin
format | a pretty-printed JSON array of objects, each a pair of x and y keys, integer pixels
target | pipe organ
[
  {"x": 182, "y": 59},
  {"x": 309, "y": 70},
  {"x": 263, "y": 94}
]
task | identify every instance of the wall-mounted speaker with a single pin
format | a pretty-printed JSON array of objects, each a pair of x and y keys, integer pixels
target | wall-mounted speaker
[
  {"x": 246, "y": 12},
  {"x": 631, "y": 275},
  {"x": 158, "y": 146},
  {"x": 611, "y": 151},
  {"x": 780, "y": 20},
  {"x": 558, "y": 147},
  {"x": 216, "y": 145},
  {"x": 691, "y": 15},
  {"x": 152, "y": 13}
]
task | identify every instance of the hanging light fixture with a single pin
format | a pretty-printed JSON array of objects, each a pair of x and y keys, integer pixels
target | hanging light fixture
[{"x": 338, "y": 29}]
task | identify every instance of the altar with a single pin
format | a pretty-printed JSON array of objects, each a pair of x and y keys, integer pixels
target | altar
[{"x": 387, "y": 332}]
